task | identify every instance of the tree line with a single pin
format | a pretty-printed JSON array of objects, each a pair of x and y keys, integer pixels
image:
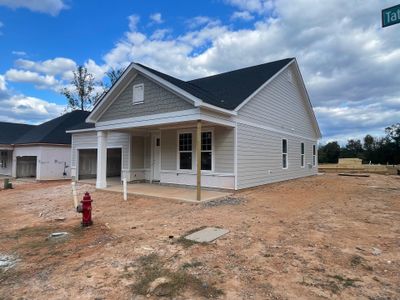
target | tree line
[{"x": 375, "y": 150}]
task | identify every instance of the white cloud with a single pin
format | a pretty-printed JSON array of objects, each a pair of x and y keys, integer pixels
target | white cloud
[
  {"x": 3, "y": 86},
  {"x": 18, "y": 53},
  {"x": 256, "y": 6},
  {"x": 199, "y": 21},
  {"x": 96, "y": 70},
  {"x": 133, "y": 22},
  {"x": 242, "y": 15},
  {"x": 40, "y": 81},
  {"x": 16, "y": 107},
  {"x": 58, "y": 66},
  {"x": 159, "y": 34},
  {"x": 51, "y": 7},
  {"x": 156, "y": 18},
  {"x": 21, "y": 108}
]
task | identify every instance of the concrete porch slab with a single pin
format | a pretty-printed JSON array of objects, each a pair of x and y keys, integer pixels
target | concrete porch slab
[
  {"x": 206, "y": 235},
  {"x": 186, "y": 194}
]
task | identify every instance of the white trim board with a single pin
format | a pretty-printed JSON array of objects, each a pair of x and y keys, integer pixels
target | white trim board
[{"x": 162, "y": 119}]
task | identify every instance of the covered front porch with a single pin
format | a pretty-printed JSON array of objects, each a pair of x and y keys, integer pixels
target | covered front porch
[{"x": 192, "y": 155}]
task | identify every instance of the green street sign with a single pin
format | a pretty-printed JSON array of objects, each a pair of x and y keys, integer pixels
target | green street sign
[{"x": 391, "y": 15}]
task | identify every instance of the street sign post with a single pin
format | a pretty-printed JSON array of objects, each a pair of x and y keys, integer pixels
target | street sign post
[{"x": 391, "y": 15}]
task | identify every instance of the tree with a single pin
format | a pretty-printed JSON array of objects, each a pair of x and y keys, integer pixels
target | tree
[
  {"x": 393, "y": 144},
  {"x": 352, "y": 149},
  {"x": 393, "y": 133},
  {"x": 81, "y": 95},
  {"x": 329, "y": 153},
  {"x": 113, "y": 75}
]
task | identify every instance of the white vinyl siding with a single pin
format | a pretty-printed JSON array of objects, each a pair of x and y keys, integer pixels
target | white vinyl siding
[
  {"x": 259, "y": 157},
  {"x": 88, "y": 140},
  {"x": 281, "y": 105}
]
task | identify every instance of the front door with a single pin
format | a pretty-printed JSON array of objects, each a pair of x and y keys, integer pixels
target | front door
[{"x": 156, "y": 156}]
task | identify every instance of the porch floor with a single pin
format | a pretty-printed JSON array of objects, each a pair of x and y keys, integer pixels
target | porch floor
[{"x": 187, "y": 194}]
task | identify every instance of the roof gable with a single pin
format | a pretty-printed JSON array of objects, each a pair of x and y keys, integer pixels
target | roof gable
[{"x": 222, "y": 92}]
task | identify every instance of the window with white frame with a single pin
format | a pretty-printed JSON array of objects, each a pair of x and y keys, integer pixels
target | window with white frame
[
  {"x": 314, "y": 155},
  {"x": 3, "y": 159},
  {"x": 185, "y": 151},
  {"x": 138, "y": 93},
  {"x": 206, "y": 151},
  {"x": 284, "y": 154},
  {"x": 302, "y": 155}
]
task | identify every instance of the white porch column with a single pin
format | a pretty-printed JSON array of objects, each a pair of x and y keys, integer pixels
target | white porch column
[{"x": 101, "y": 177}]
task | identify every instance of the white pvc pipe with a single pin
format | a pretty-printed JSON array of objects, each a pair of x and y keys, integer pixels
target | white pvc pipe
[
  {"x": 125, "y": 185},
  {"x": 74, "y": 194}
]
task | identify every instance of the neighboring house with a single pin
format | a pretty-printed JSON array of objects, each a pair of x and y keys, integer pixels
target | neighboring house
[
  {"x": 257, "y": 126},
  {"x": 42, "y": 152}
]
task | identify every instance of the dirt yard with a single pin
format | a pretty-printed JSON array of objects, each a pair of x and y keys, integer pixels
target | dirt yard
[{"x": 323, "y": 237}]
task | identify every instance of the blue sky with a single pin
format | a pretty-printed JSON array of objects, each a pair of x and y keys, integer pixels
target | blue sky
[{"x": 349, "y": 63}]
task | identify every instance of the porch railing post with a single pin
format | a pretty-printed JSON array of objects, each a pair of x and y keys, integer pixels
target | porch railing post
[
  {"x": 198, "y": 156},
  {"x": 101, "y": 177}
]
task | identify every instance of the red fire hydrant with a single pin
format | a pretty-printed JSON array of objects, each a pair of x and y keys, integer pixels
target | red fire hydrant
[{"x": 86, "y": 209}]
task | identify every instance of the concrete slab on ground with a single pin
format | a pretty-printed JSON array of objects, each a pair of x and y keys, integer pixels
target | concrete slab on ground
[
  {"x": 186, "y": 194},
  {"x": 207, "y": 235}
]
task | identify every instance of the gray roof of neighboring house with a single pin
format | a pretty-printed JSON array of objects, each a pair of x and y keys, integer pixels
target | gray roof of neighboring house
[
  {"x": 53, "y": 131},
  {"x": 227, "y": 90},
  {"x": 10, "y": 132}
]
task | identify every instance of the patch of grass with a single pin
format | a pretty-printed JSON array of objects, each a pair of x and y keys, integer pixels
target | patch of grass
[
  {"x": 334, "y": 283},
  {"x": 151, "y": 267},
  {"x": 357, "y": 260},
  {"x": 345, "y": 281},
  {"x": 194, "y": 264}
]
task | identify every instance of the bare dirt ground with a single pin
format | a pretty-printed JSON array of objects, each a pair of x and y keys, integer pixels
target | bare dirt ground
[{"x": 322, "y": 237}]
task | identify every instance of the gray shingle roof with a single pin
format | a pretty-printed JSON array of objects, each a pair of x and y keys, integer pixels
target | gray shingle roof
[
  {"x": 53, "y": 131},
  {"x": 10, "y": 132}
]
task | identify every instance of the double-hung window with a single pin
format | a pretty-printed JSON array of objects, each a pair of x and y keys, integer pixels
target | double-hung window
[
  {"x": 206, "y": 151},
  {"x": 314, "y": 155},
  {"x": 284, "y": 154},
  {"x": 3, "y": 159},
  {"x": 302, "y": 155},
  {"x": 185, "y": 151}
]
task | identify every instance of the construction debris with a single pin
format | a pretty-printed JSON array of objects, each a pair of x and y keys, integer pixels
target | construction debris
[
  {"x": 230, "y": 200},
  {"x": 58, "y": 234},
  {"x": 206, "y": 235},
  {"x": 353, "y": 174},
  {"x": 7, "y": 262},
  {"x": 376, "y": 251}
]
